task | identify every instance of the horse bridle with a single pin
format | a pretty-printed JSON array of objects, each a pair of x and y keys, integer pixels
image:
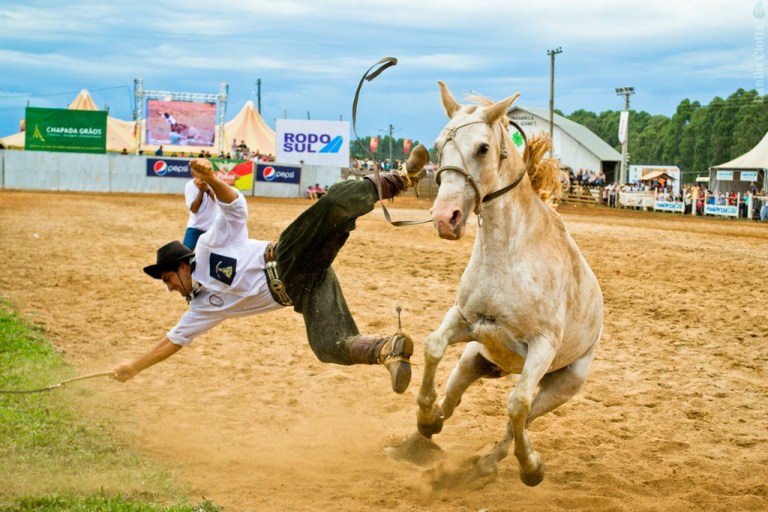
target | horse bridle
[{"x": 480, "y": 199}]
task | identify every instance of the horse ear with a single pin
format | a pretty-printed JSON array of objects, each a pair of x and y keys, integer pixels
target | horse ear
[
  {"x": 450, "y": 105},
  {"x": 499, "y": 109}
]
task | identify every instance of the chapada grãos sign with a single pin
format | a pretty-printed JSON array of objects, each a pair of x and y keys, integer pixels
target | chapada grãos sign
[{"x": 73, "y": 131}]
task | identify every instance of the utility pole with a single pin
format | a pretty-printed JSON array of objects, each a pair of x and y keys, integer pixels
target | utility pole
[
  {"x": 258, "y": 94},
  {"x": 552, "y": 54},
  {"x": 391, "y": 131},
  {"x": 624, "y": 130}
]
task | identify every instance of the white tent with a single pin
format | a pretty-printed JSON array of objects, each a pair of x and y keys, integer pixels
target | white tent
[
  {"x": 755, "y": 158},
  {"x": 736, "y": 175}
]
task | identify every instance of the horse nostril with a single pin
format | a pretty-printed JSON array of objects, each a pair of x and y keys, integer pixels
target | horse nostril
[{"x": 456, "y": 217}]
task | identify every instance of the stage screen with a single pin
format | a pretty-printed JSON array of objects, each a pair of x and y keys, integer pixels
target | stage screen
[{"x": 180, "y": 123}]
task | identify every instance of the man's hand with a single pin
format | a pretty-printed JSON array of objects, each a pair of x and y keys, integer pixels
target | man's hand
[
  {"x": 202, "y": 185},
  {"x": 124, "y": 371},
  {"x": 201, "y": 168}
]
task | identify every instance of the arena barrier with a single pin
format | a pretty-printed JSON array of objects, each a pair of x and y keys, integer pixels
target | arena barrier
[{"x": 115, "y": 173}]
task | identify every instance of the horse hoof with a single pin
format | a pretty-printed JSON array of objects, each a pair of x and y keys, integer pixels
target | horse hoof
[
  {"x": 533, "y": 478},
  {"x": 430, "y": 429}
]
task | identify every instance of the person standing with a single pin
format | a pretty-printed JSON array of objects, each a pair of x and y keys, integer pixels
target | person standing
[
  {"x": 201, "y": 203},
  {"x": 230, "y": 275}
]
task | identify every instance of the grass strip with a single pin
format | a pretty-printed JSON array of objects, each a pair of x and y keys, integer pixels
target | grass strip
[{"x": 53, "y": 457}]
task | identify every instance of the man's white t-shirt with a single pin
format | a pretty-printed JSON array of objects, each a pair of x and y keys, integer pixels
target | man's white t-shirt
[
  {"x": 206, "y": 214},
  {"x": 230, "y": 271}
]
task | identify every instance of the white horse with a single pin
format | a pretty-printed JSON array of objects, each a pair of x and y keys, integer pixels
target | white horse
[{"x": 528, "y": 302}]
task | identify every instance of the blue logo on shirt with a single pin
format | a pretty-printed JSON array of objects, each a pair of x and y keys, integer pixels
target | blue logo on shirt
[{"x": 222, "y": 268}]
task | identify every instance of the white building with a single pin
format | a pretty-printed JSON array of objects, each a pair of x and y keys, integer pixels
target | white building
[{"x": 574, "y": 145}]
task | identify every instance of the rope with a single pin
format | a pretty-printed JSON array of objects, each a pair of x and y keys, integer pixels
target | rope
[
  {"x": 370, "y": 75},
  {"x": 60, "y": 384}
]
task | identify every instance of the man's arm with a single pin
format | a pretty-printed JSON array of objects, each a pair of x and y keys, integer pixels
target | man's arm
[
  {"x": 203, "y": 169},
  {"x": 202, "y": 190},
  {"x": 195, "y": 206},
  {"x": 160, "y": 352}
]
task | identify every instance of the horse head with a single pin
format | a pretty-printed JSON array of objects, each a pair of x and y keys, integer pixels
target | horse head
[{"x": 475, "y": 152}]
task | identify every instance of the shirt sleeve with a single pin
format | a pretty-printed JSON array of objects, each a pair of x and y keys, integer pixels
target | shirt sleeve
[
  {"x": 231, "y": 225},
  {"x": 190, "y": 193},
  {"x": 191, "y": 325}
]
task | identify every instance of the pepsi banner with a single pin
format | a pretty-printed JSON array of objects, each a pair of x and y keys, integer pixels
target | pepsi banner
[
  {"x": 278, "y": 173},
  {"x": 168, "y": 168},
  {"x": 312, "y": 142}
]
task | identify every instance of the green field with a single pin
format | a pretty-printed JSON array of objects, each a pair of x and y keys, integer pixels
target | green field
[{"x": 53, "y": 456}]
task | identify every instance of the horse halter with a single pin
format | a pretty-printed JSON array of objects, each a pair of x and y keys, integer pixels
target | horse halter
[{"x": 463, "y": 170}]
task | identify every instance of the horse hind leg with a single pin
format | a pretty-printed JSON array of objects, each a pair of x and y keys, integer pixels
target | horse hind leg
[
  {"x": 471, "y": 366},
  {"x": 558, "y": 387}
]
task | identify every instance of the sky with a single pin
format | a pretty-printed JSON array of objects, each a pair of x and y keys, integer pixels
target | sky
[{"x": 309, "y": 55}]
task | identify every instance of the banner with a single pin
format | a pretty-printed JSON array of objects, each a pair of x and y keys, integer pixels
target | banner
[
  {"x": 406, "y": 146},
  {"x": 669, "y": 206},
  {"x": 312, "y": 142},
  {"x": 725, "y": 175},
  {"x": 748, "y": 176},
  {"x": 721, "y": 210},
  {"x": 636, "y": 199},
  {"x": 238, "y": 173},
  {"x": 374, "y": 144},
  {"x": 623, "y": 126},
  {"x": 180, "y": 123},
  {"x": 57, "y": 129},
  {"x": 271, "y": 173},
  {"x": 168, "y": 168}
]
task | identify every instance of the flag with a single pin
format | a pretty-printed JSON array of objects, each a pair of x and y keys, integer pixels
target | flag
[
  {"x": 374, "y": 144},
  {"x": 406, "y": 146},
  {"x": 623, "y": 126}
]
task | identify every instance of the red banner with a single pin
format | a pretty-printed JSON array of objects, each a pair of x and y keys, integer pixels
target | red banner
[
  {"x": 407, "y": 146},
  {"x": 374, "y": 144}
]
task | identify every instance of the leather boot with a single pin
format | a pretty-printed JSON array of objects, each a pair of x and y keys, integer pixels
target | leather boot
[
  {"x": 394, "y": 353},
  {"x": 392, "y": 183},
  {"x": 389, "y": 183},
  {"x": 418, "y": 158}
]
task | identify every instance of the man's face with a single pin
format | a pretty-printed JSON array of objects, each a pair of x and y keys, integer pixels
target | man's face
[{"x": 178, "y": 280}]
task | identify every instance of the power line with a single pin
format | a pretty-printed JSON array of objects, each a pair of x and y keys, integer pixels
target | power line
[{"x": 3, "y": 96}]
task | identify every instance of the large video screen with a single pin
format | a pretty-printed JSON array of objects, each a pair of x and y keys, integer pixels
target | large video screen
[{"x": 180, "y": 123}]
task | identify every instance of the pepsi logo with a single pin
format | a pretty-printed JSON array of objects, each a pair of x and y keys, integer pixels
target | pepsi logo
[
  {"x": 269, "y": 173},
  {"x": 161, "y": 168}
]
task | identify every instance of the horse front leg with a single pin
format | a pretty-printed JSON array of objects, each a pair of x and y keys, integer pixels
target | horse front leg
[
  {"x": 453, "y": 329},
  {"x": 539, "y": 358}
]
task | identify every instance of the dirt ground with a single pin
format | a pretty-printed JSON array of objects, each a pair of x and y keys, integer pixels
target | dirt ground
[{"x": 674, "y": 415}]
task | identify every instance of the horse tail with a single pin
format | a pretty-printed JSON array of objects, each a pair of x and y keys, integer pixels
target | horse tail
[{"x": 542, "y": 171}]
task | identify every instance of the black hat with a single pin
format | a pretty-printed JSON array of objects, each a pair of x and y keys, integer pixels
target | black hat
[{"x": 168, "y": 257}]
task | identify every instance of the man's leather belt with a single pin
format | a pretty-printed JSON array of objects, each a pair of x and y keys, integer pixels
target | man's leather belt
[{"x": 276, "y": 286}]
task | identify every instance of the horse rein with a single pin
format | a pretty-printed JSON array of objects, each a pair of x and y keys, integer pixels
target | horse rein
[
  {"x": 370, "y": 75},
  {"x": 470, "y": 179},
  {"x": 375, "y": 71}
]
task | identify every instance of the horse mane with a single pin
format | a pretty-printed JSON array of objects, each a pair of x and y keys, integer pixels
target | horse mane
[{"x": 543, "y": 172}]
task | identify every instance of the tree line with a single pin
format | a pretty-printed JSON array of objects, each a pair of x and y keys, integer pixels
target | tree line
[{"x": 695, "y": 138}]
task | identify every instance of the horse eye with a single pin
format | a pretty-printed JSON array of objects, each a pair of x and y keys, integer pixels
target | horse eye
[{"x": 483, "y": 149}]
